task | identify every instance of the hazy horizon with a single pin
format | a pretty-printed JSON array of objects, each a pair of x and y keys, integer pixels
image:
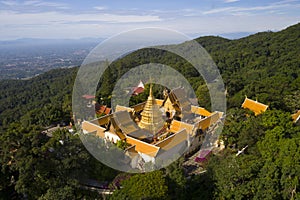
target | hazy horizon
[{"x": 234, "y": 35}]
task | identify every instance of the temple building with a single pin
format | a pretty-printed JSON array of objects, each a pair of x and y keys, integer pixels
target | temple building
[
  {"x": 157, "y": 130},
  {"x": 254, "y": 106}
]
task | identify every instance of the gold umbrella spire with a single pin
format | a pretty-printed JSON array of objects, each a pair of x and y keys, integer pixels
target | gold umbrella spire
[{"x": 151, "y": 116}]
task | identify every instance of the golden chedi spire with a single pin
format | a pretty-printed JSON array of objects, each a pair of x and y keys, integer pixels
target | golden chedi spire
[{"x": 151, "y": 116}]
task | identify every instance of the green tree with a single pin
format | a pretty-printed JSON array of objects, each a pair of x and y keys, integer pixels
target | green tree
[
  {"x": 176, "y": 180},
  {"x": 151, "y": 185}
]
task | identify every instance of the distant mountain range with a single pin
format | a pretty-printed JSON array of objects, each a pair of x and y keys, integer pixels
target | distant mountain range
[
  {"x": 37, "y": 41},
  {"x": 43, "y": 41}
]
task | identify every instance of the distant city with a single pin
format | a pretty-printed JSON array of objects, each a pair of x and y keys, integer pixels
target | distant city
[{"x": 26, "y": 58}]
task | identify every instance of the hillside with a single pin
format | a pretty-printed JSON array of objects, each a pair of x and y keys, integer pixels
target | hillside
[
  {"x": 264, "y": 65},
  {"x": 41, "y": 100}
]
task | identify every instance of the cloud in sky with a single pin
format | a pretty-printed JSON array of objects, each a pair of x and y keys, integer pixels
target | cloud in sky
[
  {"x": 100, "y": 7},
  {"x": 231, "y": 1},
  {"x": 9, "y": 3},
  {"x": 51, "y": 19},
  {"x": 271, "y": 7},
  {"x": 35, "y": 3}
]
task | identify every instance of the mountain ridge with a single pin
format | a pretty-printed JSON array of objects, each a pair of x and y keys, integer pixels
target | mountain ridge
[{"x": 264, "y": 66}]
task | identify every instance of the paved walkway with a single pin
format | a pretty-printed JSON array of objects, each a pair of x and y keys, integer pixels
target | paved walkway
[{"x": 191, "y": 167}]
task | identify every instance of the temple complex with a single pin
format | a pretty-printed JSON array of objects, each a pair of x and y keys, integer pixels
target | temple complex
[{"x": 157, "y": 130}]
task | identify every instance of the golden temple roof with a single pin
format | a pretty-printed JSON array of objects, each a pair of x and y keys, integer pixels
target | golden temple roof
[{"x": 254, "y": 106}]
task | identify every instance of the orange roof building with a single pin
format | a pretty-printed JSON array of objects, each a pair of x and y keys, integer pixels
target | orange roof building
[
  {"x": 254, "y": 106},
  {"x": 296, "y": 117},
  {"x": 147, "y": 143}
]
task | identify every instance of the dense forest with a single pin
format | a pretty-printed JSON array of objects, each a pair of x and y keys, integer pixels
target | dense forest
[{"x": 265, "y": 66}]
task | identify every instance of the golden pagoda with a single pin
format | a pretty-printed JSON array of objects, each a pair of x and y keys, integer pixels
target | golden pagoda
[{"x": 151, "y": 116}]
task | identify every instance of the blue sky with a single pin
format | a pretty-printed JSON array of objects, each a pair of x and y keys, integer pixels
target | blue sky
[{"x": 104, "y": 18}]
